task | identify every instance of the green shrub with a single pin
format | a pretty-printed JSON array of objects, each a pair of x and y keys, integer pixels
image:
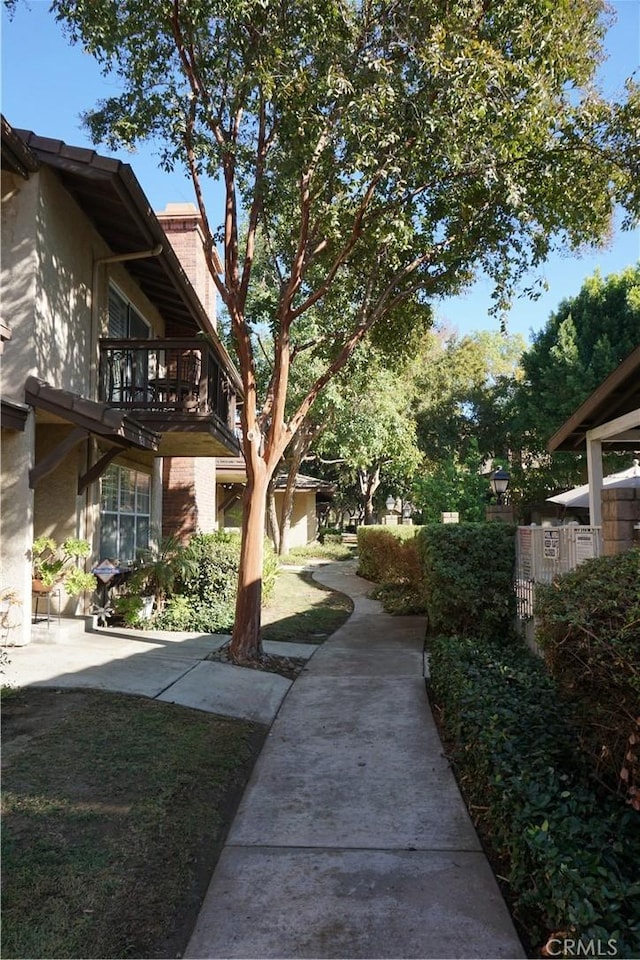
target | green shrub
[
  {"x": 130, "y": 608},
  {"x": 569, "y": 855},
  {"x": 329, "y": 550},
  {"x": 588, "y": 627},
  {"x": 380, "y": 554},
  {"x": 204, "y": 597},
  {"x": 389, "y": 556},
  {"x": 468, "y": 576},
  {"x": 330, "y": 535}
]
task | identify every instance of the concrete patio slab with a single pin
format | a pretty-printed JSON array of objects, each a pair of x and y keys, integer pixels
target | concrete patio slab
[
  {"x": 126, "y": 669},
  {"x": 268, "y": 902},
  {"x": 169, "y": 665},
  {"x": 286, "y": 648},
  {"x": 231, "y": 691}
]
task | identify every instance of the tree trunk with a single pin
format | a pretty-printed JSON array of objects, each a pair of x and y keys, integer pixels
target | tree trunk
[
  {"x": 246, "y": 641},
  {"x": 369, "y": 483},
  {"x": 272, "y": 515}
]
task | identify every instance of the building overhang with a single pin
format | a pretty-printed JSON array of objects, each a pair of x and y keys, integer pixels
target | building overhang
[
  {"x": 611, "y": 414},
  {"x": 97, "y": 418},
  {"x": 13, "y": 415},
  {"x": 109, "y": 193},
  {"x": 86, "y": 418}
]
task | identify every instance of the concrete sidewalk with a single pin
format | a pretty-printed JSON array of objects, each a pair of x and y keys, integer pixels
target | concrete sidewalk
[
  {"x": 165, "y": 665},
  {"x": 352, "y": 840}
]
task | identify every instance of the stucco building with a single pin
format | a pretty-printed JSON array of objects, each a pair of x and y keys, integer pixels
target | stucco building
[{"x": 116, "y": 392}]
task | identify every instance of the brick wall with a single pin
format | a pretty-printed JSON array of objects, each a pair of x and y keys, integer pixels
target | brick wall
[
  {"x": 620, "y": 514},
  {"x": 189, "y": 497},
  {"x": 181, "y": 223}
]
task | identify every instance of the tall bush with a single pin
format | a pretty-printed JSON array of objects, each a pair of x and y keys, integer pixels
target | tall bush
[
  {"x": 389, "y": 557},
  {"x": 204, "y": 599},
  {"x": 588, "y": 625},
  {"x": 570, "y": 856},
  {"x": 468, "y": 574},
  {"x": 381, "y": 554}
]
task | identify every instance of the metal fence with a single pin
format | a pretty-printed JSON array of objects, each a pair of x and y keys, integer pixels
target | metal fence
[{"x": 542, "y": 553}]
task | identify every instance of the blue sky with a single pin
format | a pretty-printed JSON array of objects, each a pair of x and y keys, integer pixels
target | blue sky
[{"x": 46, "y": 84}]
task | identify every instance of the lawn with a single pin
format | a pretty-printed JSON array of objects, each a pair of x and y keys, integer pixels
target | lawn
[
  {"x": 302, "y": 610},
  {"x": 116, "y": 807}
]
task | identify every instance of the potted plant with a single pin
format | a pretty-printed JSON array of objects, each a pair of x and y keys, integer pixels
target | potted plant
[{"x": 52, "y": 564}]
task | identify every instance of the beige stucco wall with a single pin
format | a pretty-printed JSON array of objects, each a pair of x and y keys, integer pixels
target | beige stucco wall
[
  {"x": 16, "y": 524},
  {"x": 303, "y": 521},
  {"x": 49, "y": 248},
  {"x": 304, "y": 525}
]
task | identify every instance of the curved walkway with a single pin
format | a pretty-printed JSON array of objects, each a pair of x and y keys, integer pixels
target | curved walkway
[{"x": 352, "y": 840}]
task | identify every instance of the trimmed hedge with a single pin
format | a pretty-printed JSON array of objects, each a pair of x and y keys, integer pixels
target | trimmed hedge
[
  {"x": 468, "y": 577},
  {"x": 389, "y": 556},
  {"x": 589, "y": 631},
  {"x": 381, "y": 554},
  {"x": 571, "y": 856}
]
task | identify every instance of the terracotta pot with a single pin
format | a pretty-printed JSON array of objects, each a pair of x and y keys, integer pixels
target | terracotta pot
[{"x": 39, "y": 587}]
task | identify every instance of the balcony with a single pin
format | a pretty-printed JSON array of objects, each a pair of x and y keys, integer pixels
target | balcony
[{"x": 176, "y": 387}]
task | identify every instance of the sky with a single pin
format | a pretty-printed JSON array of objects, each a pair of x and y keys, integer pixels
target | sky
[{"x": 47, "y": 84}]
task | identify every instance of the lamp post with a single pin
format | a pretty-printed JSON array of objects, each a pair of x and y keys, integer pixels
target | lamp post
[
  {"x": 390, "y": 503},
  {"x": 499, "y": 482}
]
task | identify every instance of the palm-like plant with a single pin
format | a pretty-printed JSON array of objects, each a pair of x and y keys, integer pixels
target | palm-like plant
[{"x": 159, "y": 569}]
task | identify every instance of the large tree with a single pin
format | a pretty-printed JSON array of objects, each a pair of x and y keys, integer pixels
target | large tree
[
  {"x": 582, "y": 342},
  {"x": 399, "y": 145}
]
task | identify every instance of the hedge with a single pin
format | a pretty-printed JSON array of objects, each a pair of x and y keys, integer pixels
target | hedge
[
  {"x": 468, "y": 577},
  {"x": 570, "y": 854},
  {"x": 589, "y": 630},
  {"x": 381, "y": 557}
]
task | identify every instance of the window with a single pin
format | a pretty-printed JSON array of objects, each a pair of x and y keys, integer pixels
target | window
[
  {"x": 124, "y": 320},
  {"x": 125, "y": 509}
]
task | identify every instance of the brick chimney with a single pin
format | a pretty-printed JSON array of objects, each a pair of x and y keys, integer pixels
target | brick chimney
[{"x": 182, "y": 224}]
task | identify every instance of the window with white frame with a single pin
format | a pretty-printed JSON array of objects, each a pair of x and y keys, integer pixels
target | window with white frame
[{"x": 125, "y": 511}]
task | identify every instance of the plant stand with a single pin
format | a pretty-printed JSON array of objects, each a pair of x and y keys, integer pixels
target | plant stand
[{"x": 46, "y": 596}]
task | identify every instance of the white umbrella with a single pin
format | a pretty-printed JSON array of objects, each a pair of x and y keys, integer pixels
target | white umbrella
[{"x": 579, "y": 496}]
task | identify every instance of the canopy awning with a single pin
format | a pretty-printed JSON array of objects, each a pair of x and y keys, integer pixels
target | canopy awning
[{"x": 578, "y": 497}]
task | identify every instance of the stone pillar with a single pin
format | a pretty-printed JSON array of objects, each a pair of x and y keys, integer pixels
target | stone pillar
[{"x": 620, "y": 515}]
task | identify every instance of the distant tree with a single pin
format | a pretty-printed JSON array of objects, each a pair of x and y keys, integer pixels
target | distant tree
[
  {"x": 461, "y": 394},
  {"x": 583, "y": 341},
  {"x": 403, "y": 146},
  {"x": 453, "y": 484}
]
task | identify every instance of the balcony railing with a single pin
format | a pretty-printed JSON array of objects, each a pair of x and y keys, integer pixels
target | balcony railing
[{"x": 177, "y": 376}]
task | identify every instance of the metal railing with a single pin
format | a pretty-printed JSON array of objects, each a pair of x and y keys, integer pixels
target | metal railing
[{"x": 165, "y": 376}]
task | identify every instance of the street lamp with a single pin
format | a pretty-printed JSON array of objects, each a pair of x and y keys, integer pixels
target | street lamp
[
  {"x": 499, "y": 484},
  {"x": 390, "y": 503}
]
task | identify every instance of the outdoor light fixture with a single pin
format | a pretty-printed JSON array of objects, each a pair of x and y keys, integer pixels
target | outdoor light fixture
[
  {"x": 390, "y": 503},
  {"x": 499, "y": 483},
  {"x": 406, "y": 510}
]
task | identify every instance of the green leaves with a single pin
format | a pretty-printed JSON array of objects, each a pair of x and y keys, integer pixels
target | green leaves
[{"x": 569, "y": 855}]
